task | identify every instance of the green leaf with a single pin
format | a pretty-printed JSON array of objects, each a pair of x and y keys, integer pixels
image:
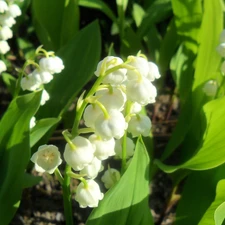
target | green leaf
[
  {"x": 15, "y": 152},
  {"x": 138, "y": 14},
  {"x": 100, "y": 5},
  {"x": 219, "y": 215},
  {"x": 27, "y": 48},
  {"x": 41, "y": 128},
  {"x": 10, "y": 82},
  {"x": 158, "y": 11},
  {"x": 207, "y": 63},
  {"x": 198, "y": 193},
  {"x": 127, "y": 202},
  {"x": 80, "y": 57},
  {"x": 30, "y": 180},
  {"x": 213, "y": 141},
  {"x": 208, "y": 218},
  {"x": 55, "y": 22}
]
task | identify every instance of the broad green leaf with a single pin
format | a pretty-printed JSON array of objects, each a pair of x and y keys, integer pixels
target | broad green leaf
[
  {"x": 41, "y": 128},
  {"x": 208, "y": 218},
  {"x": 138, "y": 14},
  {"x": 188, "y": 17},
  {"x": 168, "y": 47},
  {"x": 207, "y": 63},
  {"x": 211, "y": 152},
  {"x": 100, "y": 5},
  {"x": 30, "y": 180},
  {"x": 15, "y": 152},
  {"x": 198, "y": 193},
  {"x": 55, "y": 22},
  {"x": 10, "y": 82},
  {"x": 131, "y": 43},
  {"x": 157, "y": 12},
  {"x": 80, "y": 57},
  {"x": 127, "y": 202},
  {"x": 219, "y": 215}
]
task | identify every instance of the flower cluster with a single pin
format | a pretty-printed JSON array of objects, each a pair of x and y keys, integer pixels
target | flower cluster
[
  {"x": 111, "y": 112},
  {"x": 8, "y": 12},
  {"x": 43, "y": 74}
]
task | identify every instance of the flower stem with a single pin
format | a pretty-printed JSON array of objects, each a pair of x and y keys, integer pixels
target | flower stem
[{"x": 67, "y": 197}]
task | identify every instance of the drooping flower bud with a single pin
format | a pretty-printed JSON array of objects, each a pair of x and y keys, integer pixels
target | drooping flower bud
[
  {"x": 114, "y": 126},
  {"x": 139, "y": 125},
  {"x": 51, "y": 64},
  {"x": 4, "y": 47},
  {"x": 89, "y": 195},
  {"x": 82, "y": 155},
  {"x": 129, "y": 148},
  {"x": 110, "y": 177},
  {"x": 103, "y": 148}
]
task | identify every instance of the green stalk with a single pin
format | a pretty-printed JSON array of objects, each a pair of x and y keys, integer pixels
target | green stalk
[{"x": 67, "y": 197}]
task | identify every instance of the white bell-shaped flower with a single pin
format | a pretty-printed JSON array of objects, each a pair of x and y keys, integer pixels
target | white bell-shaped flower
[
  {"x": 112, "y": 98},
  {"x": 90, "y": 115},
  {"x": 135, "y": 108},
  {"x": 110, "y": 177},
  {"x": 3, "y": 6},
  {"x": 81, "y": 156},
  {"x": 210, "y": 88},
  {"x": 31, "y": 82},
  {"x": 2, "y": 66},
  {"x": 7, "y": 20},
  {"x": 5, "y": 33},
  {"x": 103, "y": 148},
  {"x": 116, "y": 77},
  {"x": 114, "y": 126},
  {"x": 14, "y": 10},
  {"x": 4, "y": 47},
  {"x": 32, "y": 122},
  {"x": 45, "y": 76},
  {"x": 51, "y": 64},
  {"x": 141, "y": 91},
  {"x": 139, "y": 125},
  {"x": 153, "y": 71},
  {"x": 92, "y": 169},
  {"x": 46, "y": 159},
  {"x": 129, "y": 148},
  {"x": 221, "y": 49},
  {"x": 89, "y": 195},
  {"x": 44, "y": 97},
  {"x": 140, "y": 64}
]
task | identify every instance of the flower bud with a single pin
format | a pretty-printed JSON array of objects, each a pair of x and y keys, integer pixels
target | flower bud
[
  {"x": 51, "y": 64},
  {"x": 112, "y": 99},
  {"x": 5, "y": 33},
  {"x": 110, "y": 177},
  {"x": 139, "y": 125},
  {"x": 14, "y": 10},
  {"x": 45, "y": 76},
  {"x": 103, "y": 148},
  {"x": 2, "y": 66},
  {"x": 92, "y": 169},
  {"x": 153, "y": 72},
  {"x": 32, "y": 122},
  {"x": 3, "y": 6},
  {"x": 4, "y": 47},
  {"x": 44, "y": 97},
  {"x": 114, "y": 126},
  {"x": 81, "y": 156},
  {"x": 90, "y": 115},
  {"x": 116, "y": 77},
  {"x": 7, "y": 20},
  {"x": 90, "y": 195},
  {"x": 46, "y": 159},
  {"x": 31, "y": 82},
  {"x": 141, "y": 91},
  {"x": 129, "y": 148},
  {"x": 140, "y": 64}
]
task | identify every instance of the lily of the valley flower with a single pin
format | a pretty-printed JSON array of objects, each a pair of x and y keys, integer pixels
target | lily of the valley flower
[
  {"x": 88, "y": 194},
  {"x": 46, "y": 159},
  {"x": 110, "y": 177},
  {"x": 79, "y": 155}
]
